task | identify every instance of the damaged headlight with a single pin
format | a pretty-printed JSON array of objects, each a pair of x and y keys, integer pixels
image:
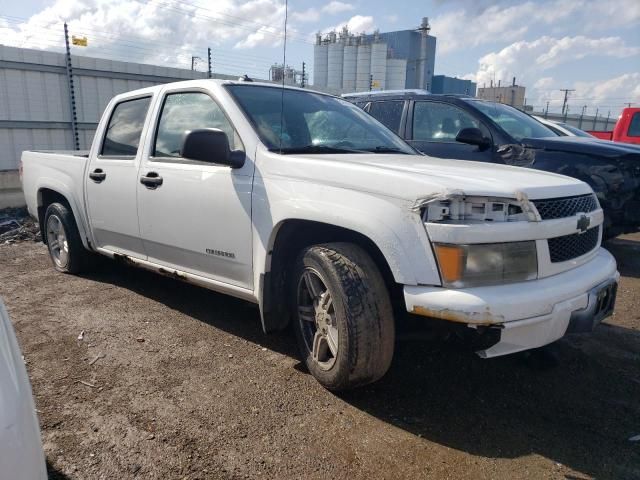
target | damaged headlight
[
  {"x": 486, "y": 264},
  {"x": 459, "y": 208}
]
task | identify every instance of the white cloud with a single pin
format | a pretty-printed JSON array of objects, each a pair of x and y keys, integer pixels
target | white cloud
[
  {"x": 528, "y": 59},
  {"x": 610, "y": 93},
  {"x": 355, "y": 24},
  {"x": 336, "y": 7},
  {"x": 309, "y": 15},
  {"x": 163, "y": 33},
  {"x": 497, "y": 23}
]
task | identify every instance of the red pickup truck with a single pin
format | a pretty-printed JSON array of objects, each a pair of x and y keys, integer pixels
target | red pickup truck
[{"x": 626, "y": 129}]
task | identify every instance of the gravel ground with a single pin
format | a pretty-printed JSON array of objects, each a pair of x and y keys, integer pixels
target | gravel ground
[{"x": 172, "y": 381}]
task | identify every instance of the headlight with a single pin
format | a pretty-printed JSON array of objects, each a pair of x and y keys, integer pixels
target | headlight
[{"x": 486, "y": 264}]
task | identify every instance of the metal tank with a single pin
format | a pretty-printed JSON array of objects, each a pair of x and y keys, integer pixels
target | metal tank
[
  {"x": 349, "y": 67},
  {"x": 379, "y": 65},
  {"x": 335, "y": 62},
  {"x": 320, "y": 61},
  {"x": 396, "y": 74},
  {"x": 363, "y": 67}
]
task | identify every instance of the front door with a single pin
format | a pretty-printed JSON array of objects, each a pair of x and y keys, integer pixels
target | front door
[
  {"x": 195, "y": 216},
  {"x": 435, "y": 127},
  {"x": 112, "y": 179}
]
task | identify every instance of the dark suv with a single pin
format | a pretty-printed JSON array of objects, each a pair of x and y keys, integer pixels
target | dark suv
[{"x": 466, "y": 128}]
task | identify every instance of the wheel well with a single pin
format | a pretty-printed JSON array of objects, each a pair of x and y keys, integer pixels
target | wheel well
[
  {"x": 292, "y": 237},
  {"x": 46, "y": 197}
]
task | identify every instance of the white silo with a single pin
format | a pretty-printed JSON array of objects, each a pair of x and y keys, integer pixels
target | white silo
[
  {"x": 349, "y": 67},
  {"x": 379, "y": 65},
  {"x": 336, "y": 57},
  {"x": 320, "y": 62},
  {"x": 396, "y": 73},
  {"x": 363, "y": 67}
]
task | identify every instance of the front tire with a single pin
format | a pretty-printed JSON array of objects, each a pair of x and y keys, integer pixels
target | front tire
[
  {"x": 342, "y": 315},
  {"x": 63, "y": 240}
]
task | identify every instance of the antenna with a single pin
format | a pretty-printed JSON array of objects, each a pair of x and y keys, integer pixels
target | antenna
[{"x": 284, "y": 62}]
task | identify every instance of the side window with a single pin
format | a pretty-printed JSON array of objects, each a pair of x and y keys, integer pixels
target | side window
[
  {"x": 440, "y": 122},
  {"x": 125, "y": 127},
  {"x": 189, "y": 111},
  {"x": 388, "y": 113},
  {"x": 634, "y": 126}
]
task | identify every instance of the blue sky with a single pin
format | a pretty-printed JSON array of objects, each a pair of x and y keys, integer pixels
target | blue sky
[{"x": 590, "y": 46}]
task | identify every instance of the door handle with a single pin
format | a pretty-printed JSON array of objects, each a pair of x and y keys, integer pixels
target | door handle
[
  {"x": 97, "y": 175},
  {"x": 151, "y": 180}
]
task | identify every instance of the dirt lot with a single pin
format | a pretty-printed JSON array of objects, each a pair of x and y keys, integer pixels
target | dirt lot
[{"x": 180, "y": 382}]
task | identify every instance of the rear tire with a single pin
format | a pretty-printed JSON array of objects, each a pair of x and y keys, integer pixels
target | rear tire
[
  {"x": 342, "y": 315},
  {"x": 63, "y": 240}
]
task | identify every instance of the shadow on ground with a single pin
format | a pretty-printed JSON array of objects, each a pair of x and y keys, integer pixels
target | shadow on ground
[
  {"x": 54, "y": 474},
  {"x": 627, "y": 253},
  {"x": 580, "y": 414}
]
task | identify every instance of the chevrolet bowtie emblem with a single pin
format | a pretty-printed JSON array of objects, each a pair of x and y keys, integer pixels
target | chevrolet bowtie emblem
[{"x": 583, "y": 223}]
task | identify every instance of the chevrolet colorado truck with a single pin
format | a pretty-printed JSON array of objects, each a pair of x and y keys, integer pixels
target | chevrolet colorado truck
[{"x": 304, "y": 204}]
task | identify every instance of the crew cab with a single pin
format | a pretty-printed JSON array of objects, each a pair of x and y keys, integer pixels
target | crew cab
[
  {"x": 626, "y": 129},
  {"x": 306, "y": 205},
  {"x": 462, "y": 127}
]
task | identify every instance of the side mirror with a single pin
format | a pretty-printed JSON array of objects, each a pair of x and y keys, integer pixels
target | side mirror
[
  {"x": 473, "y": 136},
  {"x": 210, "y": 145}
]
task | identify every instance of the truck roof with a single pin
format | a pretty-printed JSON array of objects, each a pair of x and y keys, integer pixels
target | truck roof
[{"x": 208, "y": 81}]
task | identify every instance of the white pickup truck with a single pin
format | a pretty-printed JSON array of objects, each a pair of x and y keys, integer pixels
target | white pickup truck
[{"x": 304, "y": 204}]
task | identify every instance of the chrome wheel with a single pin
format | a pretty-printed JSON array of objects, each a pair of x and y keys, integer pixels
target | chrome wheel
[
  {"x": 57, "y": 241},
  {"x": 317, "y": 318}
]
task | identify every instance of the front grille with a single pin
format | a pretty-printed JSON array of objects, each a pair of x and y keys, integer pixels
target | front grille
[
  {"x": 572, "y": 246},
  {"x": 566, "y": 206}
]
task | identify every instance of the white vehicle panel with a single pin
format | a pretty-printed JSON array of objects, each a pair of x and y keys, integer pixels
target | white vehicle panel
[{"x": 21, "y": 454}]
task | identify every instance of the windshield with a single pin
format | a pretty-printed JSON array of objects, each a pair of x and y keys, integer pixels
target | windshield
[
  {"x": 313, "y": 123},
  {"x": 576, "y": 131},
  {"x": 516, "y": 123}
]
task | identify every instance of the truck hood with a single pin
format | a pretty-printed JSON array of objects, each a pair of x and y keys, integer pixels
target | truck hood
[
  {"x": 584, "y": 145},
  {"x": 415, "y": 176}
]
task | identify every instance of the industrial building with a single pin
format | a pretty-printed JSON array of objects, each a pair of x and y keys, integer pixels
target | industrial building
[
  {"x": 452, "y": 85},
  {"x": 513, "y": 94},
  {"x": 346, "y": 62}
]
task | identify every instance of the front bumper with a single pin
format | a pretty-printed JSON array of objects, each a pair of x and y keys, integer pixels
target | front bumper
[{"x": 528, "y": 314}]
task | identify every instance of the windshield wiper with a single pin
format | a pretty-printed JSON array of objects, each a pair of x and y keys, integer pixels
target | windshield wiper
[
  {"x": 315, "y": 149},
  {"x": 385, "y": 149}
]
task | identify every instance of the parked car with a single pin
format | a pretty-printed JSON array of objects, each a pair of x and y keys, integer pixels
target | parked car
[
  {"x": 461, "y": 127},
  {"x": 21, "y": 453},
  {"x": 626, "y": 129},
  {"x": 562, "y": 129},
  {"x": 304, "y": 204}
]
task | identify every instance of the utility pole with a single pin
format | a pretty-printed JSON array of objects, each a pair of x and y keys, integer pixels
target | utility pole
[
  {"x": 193, "y": 62},
  {"x": 72, "y": 95},
  {"x": 209, "y": 62},
  {"x": 565, "y": 114},
  {"x": 595, "y": 119},
  {"x": 566, "y": 96},
  {"x": 371, "y": 82},
  {"x": 304, "y": 74},
  {"x": 606, "y": 124},
  {"x": 584, "y": 107},
  {"x": 546, "y": 110}
]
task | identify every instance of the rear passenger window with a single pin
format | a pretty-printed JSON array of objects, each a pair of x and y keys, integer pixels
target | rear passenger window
[
  {"x": 388, "y": 113},
  {"x": 189, "y": 111},
  {"x": 125, "y": 127}
]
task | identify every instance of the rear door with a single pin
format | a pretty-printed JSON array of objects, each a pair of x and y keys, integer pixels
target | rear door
[
  {"x": 391, "y": 113},
  {"x": 197, "y": 216},
  {"x": 112, "y": 179},
  {"x": 433, "y": 128}
]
